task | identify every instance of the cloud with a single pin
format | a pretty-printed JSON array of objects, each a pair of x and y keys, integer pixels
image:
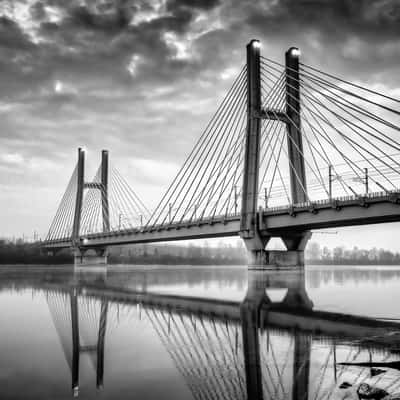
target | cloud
[
  {"x": 142, "y": 77},
  {"x": 11, "y": 158}
]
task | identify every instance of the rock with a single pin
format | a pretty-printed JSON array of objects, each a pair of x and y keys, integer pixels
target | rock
[{"x": 366, "y": 391}]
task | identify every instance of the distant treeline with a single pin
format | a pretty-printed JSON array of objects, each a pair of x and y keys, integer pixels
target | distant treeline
[
  {"x": 32, "y": 253},
  {"x": 179, "y": 254},
  {"x": 20, "y": 252},
  {"x": 340, "y": 255}
]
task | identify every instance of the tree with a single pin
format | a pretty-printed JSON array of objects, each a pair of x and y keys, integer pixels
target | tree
[
  {"x": 314, "y": 251},
  {"x": 326, "y": 253},
  {"x": 338, "y": 253}
]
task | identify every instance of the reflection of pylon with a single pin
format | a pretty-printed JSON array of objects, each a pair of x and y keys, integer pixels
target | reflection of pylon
[
  {"x": 75, "y": 343},
  {"x": 249, "y": 314},
  {"x": 301, "y": 365},
  {"x": 100, "y": 343},
  {"x": 296, "y": 297},
  {"x": 77, "y": 349}
]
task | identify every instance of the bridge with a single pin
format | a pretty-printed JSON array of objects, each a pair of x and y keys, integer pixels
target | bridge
[
  {"x": 260, "y": 348},
  {"x": 290, "y": 149}
]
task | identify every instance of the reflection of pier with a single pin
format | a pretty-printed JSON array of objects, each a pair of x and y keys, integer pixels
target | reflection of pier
[
  {"x": 76, "y": 331},
  {"x": 225, "y": 349}
]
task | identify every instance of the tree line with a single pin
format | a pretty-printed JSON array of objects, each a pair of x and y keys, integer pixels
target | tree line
[
  {"x": 21, "y": 252},
  {"x": 340, "y": 255}
]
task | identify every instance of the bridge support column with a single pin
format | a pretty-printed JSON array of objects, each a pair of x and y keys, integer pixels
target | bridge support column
[
  {"x": 292, "y": 257},
  {"x": 258, "y": 256},
  {"x": 90, "y": 257}
]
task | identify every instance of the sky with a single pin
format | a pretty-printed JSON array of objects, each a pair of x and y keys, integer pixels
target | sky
[{"x": 142, "y": 79}]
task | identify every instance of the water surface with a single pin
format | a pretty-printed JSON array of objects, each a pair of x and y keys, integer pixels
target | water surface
[{"x": 150, "y": 332}]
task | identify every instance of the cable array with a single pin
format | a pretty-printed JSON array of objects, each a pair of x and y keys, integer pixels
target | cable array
[
  {"x": 207, "y": 183},
  {"x": 125, "y": 209},
  {"x": 350, "y": 148},
  {"x": 61, "y": 226},
  {"x": 350, "y": 145}
]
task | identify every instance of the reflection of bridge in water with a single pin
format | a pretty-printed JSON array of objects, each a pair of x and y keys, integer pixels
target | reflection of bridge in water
[
  {"x": 271, "y": 345},
  {"x": 81, "y": 328}
]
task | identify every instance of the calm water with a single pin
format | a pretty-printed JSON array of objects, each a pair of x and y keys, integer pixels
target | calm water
[{"x": 198, "y": 333}]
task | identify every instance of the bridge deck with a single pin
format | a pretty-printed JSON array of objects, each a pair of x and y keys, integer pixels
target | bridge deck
[{"x": 373, "y": 208}]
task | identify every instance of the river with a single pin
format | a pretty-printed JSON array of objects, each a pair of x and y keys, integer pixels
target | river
[{"x": 187, "y": 332}]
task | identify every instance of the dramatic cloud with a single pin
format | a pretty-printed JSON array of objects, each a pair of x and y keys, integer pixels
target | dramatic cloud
[{"x": 141, "y": 78}]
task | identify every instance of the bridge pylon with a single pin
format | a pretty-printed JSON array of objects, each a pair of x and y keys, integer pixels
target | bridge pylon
[
  {"x": 82, "y": 256},
  {"x": 252, "y": 229}
]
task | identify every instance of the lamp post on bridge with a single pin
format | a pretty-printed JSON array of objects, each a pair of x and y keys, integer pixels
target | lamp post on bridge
[
  {"x": 236, "y": 199},
  {"x": 265, "y": 198}
]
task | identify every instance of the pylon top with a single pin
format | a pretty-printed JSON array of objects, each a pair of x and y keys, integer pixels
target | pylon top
[
  {"x": 294, "y": 52},
  {"x": 255, "y": 43}
]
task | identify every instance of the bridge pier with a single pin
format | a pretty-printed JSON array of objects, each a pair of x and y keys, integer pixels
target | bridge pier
[
  {"x": 292, "y": 257},
  {"x": 90, "y": 257}
]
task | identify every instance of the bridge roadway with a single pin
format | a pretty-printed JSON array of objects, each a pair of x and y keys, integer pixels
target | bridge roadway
[
  {"x": 378, "y": 207},
  {"x": 373, "y": 333}
]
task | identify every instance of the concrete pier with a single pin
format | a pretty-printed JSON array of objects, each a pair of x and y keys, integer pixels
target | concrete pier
[
  {"x": 90, "y": 258},
  {"x": 291, "y": 258},
  {"x": 276, "y": 260}
]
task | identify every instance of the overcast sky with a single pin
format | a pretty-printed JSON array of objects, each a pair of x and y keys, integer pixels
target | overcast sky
[{"x": 142, "y": 78}]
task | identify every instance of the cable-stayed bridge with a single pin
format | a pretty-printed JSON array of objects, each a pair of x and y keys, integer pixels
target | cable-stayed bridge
[
  {"x": 291, "y": 148},
  {"x": 260, "y": 348}
]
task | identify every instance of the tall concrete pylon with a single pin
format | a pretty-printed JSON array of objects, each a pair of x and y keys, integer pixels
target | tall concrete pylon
[
  {"x": 252, "y": 231},
  {"x": 101, "y": 254},
  {"x": 298, "y": 184},
  {"x": 79, "y": 197},
  {"x": 252, "y": 150}
]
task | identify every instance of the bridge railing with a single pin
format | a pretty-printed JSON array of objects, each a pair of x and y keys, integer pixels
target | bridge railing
[{"x": 342, "y": 199}]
